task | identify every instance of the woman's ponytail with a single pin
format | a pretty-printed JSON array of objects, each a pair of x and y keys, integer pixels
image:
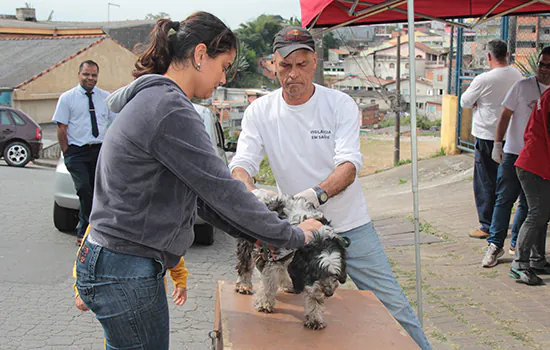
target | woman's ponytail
[{"x": 157, "y": 57}]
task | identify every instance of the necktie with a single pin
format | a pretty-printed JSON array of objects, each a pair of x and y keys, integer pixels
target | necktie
[{"x": 95, "y": 130}]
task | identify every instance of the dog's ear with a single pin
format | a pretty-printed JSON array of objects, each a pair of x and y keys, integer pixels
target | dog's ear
[
  {"x": 297, "y": 271},
  {"x": 343, "y": 255},
  {"x": 277, "y": 205},
  {"x": 343, "y": 274}
]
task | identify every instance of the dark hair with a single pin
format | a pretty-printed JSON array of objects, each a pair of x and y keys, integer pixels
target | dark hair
[
  {"x": 90, "y": 63},
  {"x": 179, "y": 46},
  {"x": 498, "y": 49},
  {"x": 545, "y": 51}
]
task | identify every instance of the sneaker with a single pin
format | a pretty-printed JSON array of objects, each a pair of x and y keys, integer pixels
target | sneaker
[
  {"x": 478, "y": 234},
  {"x": 525, "y": 276},
  {"x": 512, "y": 250},
  {"x": 545, "y": 270},
  {"x": 491, "y": 255}
]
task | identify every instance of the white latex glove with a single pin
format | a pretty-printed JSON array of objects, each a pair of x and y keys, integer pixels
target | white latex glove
[
  {"x": 263, "y": 195},
  {"x": 310, "y": 196},
  {"x": 498, "y": 153}
]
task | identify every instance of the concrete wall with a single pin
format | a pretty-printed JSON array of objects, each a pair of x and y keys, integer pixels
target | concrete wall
[
  {"x": 449, "y": 123},
  {"x": 39, "y": 98},
  {"x": 386, "y": 68}
]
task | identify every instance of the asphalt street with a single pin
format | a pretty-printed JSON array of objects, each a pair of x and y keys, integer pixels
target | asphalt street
[{"x": 36, "y": 299}]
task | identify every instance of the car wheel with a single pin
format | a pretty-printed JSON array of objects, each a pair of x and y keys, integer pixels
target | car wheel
[
  {"x": 204, "y": 234},
  {"x": 64, "y": 219},
  {"x": 17, "y": 154}
]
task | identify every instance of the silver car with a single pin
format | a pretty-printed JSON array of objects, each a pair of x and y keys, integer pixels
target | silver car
[{"x": 66, "y": 204}]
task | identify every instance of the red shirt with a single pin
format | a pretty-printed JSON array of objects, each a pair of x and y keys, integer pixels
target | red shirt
[{"x": 535, "y": 155}]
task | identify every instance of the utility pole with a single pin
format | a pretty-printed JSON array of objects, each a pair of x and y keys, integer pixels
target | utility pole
[
  {"x": 397, "y": 131},
  {"x": 319, "y": 72}
]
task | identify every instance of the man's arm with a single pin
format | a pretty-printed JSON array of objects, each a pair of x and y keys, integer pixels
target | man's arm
[
  {"x": 250, "y": 152},
  {"x": 340, "y": 179},
  {"x": 503, "y": 123},
  {"x": 241, "y": 175},
  {"x": 62, "y": 137},
  {"x": 61, "y": 118},
  {"x": 470, "y": 97}
]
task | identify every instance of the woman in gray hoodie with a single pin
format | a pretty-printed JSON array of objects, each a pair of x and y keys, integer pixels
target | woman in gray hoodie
[{"x": 155, "y": 170}]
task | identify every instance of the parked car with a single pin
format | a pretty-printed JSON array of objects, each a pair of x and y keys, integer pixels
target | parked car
[
  {"x": 66, "y": 204},
  {"x": 20, "y": 137}
]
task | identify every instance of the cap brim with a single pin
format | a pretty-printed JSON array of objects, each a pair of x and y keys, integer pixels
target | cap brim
[{"x": 287, "y": 50}]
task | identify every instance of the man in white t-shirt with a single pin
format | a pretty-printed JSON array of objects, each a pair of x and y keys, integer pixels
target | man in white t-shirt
[
  {"x": 310, "y": 135},
  {"x": 517, "y": 107},
  {"x": 486, "y": 94}
]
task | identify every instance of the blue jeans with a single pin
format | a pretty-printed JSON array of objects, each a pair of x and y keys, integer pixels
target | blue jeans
[
  {"x": 485, "y": 181},
  {"x": 368, "y": 267},
  {"x": 508, "y": 190},
  {"x": 127, "y": 295},
  {"x": 81, "y": 163}
]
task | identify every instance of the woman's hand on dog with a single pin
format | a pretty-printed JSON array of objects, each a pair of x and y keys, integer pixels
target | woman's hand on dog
[{"x": 308, "y": 226}]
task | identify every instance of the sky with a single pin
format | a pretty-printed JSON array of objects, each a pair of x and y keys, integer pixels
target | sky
[{"x": 232, "y": 12}]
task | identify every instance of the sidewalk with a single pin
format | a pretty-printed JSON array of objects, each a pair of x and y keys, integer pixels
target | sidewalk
[{"x": 465, "y": 305}]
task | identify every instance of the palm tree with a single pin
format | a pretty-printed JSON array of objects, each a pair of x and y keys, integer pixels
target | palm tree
[{"x": 527, "y": 64}]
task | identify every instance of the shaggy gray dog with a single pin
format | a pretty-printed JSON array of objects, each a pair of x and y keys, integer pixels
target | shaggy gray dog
[{"x": 316, "y": 269}]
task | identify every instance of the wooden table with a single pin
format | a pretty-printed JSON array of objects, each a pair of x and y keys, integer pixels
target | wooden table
[{"x": 355, "y": 320}]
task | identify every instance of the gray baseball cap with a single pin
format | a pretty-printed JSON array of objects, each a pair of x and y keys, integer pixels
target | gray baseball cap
[{"x": 290, "y": 39}]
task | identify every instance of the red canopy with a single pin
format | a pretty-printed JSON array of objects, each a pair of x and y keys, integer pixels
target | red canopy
[{"x": 335, "y": 12}]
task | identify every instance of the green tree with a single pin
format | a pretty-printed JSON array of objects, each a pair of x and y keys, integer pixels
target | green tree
[
  {"x": 330, "y": 42},
  {"x": 159, "y": 15},
  {"x": 256, "y": 41}
]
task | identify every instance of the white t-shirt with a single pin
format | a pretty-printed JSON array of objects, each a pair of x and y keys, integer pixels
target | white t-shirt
[
  {"x": 521, "y": 99},
  {"x": 304, "y": 145},
  {"x": 488, "y": 91}
]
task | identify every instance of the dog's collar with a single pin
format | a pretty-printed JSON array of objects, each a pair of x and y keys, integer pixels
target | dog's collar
[{"x": 279, "y": 255}]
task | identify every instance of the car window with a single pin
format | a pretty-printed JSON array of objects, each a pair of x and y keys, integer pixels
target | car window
[
  {"x": 17, "y": 119},
  {"x": 4, "y": 118}
]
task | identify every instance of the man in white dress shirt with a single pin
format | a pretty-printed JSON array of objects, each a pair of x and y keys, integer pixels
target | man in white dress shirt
[
  {"x": 486, "y": 94},
  {"x": 82, "y": 118}
]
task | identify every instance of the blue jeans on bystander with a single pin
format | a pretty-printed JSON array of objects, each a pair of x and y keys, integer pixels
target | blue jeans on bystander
[{"x": 508, "y": 190}]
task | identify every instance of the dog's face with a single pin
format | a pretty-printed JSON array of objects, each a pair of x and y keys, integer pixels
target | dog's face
[{"x": 321, "y": 263}]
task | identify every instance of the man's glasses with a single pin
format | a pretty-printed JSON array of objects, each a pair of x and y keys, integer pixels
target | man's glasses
[{"x": 544, "y": 65}]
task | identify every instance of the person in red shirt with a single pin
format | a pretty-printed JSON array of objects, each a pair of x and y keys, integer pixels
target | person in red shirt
[{"x": 533, "y": 170}]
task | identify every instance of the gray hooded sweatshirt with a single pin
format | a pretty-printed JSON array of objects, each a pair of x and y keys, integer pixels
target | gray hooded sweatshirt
[{"x": 156, "y": 164}]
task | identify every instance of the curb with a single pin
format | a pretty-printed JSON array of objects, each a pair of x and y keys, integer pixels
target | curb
[{"x": 45, "y": 163}]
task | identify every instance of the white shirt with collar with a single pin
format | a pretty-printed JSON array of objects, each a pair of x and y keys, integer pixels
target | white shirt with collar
[
  {"x": 304, "y": 145},
  {"x": 73, "y": 110},
  {"x": 487, "y": 91}
]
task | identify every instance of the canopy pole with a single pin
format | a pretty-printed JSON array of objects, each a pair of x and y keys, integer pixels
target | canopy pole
[
  {"x": 396, "y": 9},
  {"x": 412, "y": 84},
  {"x": 504, "y": 13},
  {"x": 487, "y": 14}
]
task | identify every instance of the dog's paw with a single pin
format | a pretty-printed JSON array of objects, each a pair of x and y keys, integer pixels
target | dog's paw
[
  {"x": 243, "y": 288},
  {"x": 265, "y": 307},
  {"x": 314, "y": 324}
]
